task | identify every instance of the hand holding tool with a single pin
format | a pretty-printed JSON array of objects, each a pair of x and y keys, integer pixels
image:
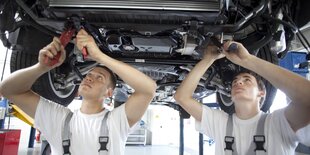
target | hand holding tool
[
  {"x": 232, "y": 46},
  {"x": 65, "y": 38}
]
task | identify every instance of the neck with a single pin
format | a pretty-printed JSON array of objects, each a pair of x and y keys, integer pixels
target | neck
[
  {"x": 246, "y": 110},
  {"x": 91, "y": 107}
]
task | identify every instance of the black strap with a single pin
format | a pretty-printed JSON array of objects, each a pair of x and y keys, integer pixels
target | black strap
[
  {"x": 258, "y": 139},
  {"x": 104, "y": 133},
  {"x": 66, "y": 147},
  {"x": 229, "y": 141},
  {"x": 230, "y": 145},
  {"x": 66, "y": 134},
  {"x": 257, "y": 147},
  {"x": 103, "y": 141}
]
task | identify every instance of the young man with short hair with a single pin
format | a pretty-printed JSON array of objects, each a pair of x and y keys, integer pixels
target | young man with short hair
[
  {"x": 282, "y": 129},
  {"x": 85, "y": 124}
]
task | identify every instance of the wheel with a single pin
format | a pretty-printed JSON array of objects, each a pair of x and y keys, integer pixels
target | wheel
[
  {"x": 28, "y": 56},
  {"x": 226, "y": 103}
]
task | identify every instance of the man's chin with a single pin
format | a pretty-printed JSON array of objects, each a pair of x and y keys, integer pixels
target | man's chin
[
  {"x": 83, "y": 92},
  {"x": 239, "y": 98}
]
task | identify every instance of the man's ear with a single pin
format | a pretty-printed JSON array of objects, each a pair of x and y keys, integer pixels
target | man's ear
[
  {"x": 110, "y": 92},
  {"x": 262, "y": 93}
]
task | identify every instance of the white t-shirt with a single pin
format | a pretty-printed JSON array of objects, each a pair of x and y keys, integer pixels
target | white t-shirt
[
  {"x": 280, "y": 138},
  {"x": 84, "y": 128},
  {"x": 304, "y": 135}
]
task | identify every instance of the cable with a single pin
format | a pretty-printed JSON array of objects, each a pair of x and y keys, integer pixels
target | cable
[
  {"x": 302, "y": 42},
  {"x": 305, "y": 39}
]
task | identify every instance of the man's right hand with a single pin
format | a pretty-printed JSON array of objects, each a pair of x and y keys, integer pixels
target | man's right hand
[
  {"x": 49, "y": 52},
  {"x": 84, "y": 40},
  {"x": 238, "y": 56},
  {"x": 17, "y": 86},
  {"x": 212, "y": 53}
]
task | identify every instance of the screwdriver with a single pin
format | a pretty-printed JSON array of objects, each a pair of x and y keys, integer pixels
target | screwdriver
[{"x": 232, "y": 46}]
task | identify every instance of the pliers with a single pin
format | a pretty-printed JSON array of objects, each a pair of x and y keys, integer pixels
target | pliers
[{"x": 65, "y": 37}]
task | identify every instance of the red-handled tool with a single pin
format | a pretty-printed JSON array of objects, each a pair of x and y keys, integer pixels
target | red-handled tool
[
  {"x": 84, "y": 52},
  {"x": 84, "y": 49},
  {"x": 65, "y": 38}
]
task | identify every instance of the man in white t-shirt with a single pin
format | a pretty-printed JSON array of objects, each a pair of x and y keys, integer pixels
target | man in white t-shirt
[
  {"x": 283, "y": 129},
  {"x": 97, "y": 86}
]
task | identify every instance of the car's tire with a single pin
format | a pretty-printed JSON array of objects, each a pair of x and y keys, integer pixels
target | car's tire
[
  {"x": 227, "y": 105},
  {"x": 25, "y": 57}
]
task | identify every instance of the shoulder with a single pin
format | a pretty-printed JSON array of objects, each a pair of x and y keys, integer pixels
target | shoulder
[
  {"x": 49, "y": 108},
  {"x": 117, "y": 120},
  {"x": 118, "y": 110},
  {"x": 277, "y": 115},
  {"x": 117, "y": 114},
  {"x": 207, "y": 111},
  {"x": 303, "y": 135},
  {"x": 209, "y": 115},
  {"x": 277, "y": 124},
  {"x": 51, "y": 104},
  {"x": 276, "y": 119}
]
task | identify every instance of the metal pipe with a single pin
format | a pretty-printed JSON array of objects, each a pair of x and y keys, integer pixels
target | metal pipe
[
  {"x": 231, "y": 28},
  {"x": 200, "y": 144},
  {"x": 181, "y": 147}
]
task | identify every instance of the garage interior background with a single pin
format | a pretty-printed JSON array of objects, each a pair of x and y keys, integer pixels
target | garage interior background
[{"x": 160, "y": 125}]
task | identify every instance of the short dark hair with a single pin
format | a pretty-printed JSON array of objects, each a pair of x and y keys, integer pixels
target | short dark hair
[
  {"x": 113, "y": 76},
  {"x": 259, "y": 80}
]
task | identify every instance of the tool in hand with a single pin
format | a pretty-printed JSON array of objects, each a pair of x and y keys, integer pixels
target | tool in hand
[
  {"x": 65, "y": 38},
  {"x": 232, "y": 46},
  {"x": 73, "y": 25},
  {"x": 84, "y": 49},
  {"x": 84, "y": 52}
]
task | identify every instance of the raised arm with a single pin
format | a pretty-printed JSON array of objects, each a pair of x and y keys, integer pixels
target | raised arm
[
  {"x": 144, "y": 86},
  {"x": 17, "y": 86},
  {"x": 294, "y": 86},
  {"x": 184, "y": 93}
]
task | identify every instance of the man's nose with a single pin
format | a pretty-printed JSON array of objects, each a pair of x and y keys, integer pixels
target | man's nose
[
  {"x": 238, "y": 82},
  {"x": 88, "y": 79}
]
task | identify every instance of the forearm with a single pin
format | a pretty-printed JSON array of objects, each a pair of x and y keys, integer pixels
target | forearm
[
  {"x": 21, "y": 81},
  {"x": 294, "y": 86},
  {"x": 184, "y": 93},
  {"x": 189, "y": 84},
  {"x": 136, "y": 79}
]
